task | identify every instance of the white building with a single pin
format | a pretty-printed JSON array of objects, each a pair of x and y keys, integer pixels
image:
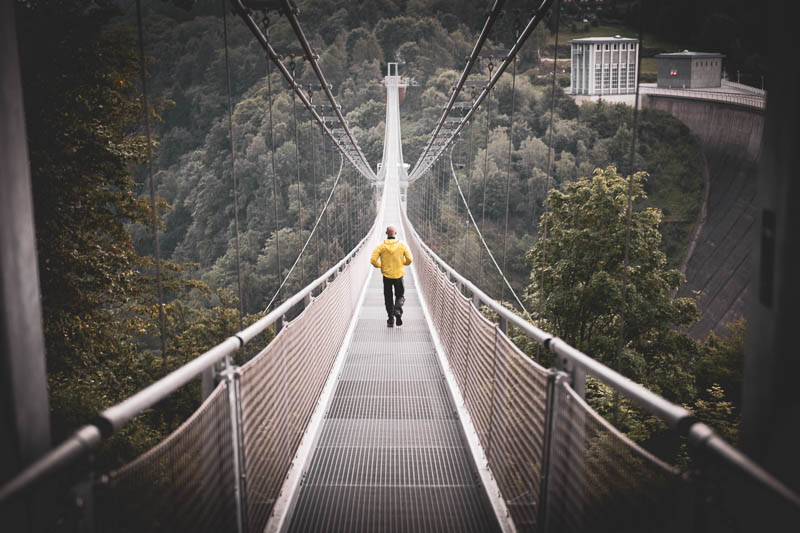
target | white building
[{"x": 604, "y": 65}]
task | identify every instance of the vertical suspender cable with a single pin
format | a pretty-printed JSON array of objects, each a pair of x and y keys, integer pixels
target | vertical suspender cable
[
  {"x": 324, "y": 177},
  {"x": 348, "y": 216},
  {"x": 441, "y": 196},
  {"x": 233, "y": 163},
  {"x": 451, "y": 185},
  {"x": 162, "y": 320},
  {"x": 272, "y": 154},
  {"x": 470, "y": 158},
  {"x": 485, "y": 173},
  {"x": 629, "y": 210},
  {"x": 297, "y": 166},
  {"x": 557, "y": 9},
  {"x": 314, "y": 178},
  {"x": 431, "y": 192},
  {"x": 508, "y": 169}
]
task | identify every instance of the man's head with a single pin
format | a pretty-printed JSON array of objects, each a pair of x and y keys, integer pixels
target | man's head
[{"x": 391, "y": 232}]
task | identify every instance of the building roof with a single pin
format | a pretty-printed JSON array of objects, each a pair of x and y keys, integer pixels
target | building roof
[
  {"x": 691, "y": 55},
  {"x": 614, "y": 39}
]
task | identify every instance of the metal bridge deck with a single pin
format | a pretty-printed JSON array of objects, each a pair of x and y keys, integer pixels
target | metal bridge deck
[{"x": 391, "y": 455}]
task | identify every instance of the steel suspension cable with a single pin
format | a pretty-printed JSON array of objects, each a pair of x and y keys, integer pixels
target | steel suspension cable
[
  {"x": 348, "y": 216},
  {"x": 629, "y": 210},
  {"x": 483, "y": 241},
  {"x": 508, "y": 169},
  {"x": 421, "y": 165},
  {"x": 557, "y": 9},
  {"x": 325, "y": 177},
  {"x": 494, "y": 13},
  {"x": 293, "y": 65},
  {"x": 162, "y": 319},
  {"x": 439, "y": 196},
  {"x": 485, "y": 173},
  {"x": 313, "y": 230},
  {"x": 272, "y": 156},
  {"x": 233, "y": 164},
  {"x": 353, "y": 154},
  {"x": 312, "y": 137},
  {"x": 469, "y": 183},
  {"x": 456, "y": 216}
]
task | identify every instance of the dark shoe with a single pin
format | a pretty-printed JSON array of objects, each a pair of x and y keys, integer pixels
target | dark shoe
[
  {"x": 390, "y": 323},
  {"x": 398, "y": 318}
]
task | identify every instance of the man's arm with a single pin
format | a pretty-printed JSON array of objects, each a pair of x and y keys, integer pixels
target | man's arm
[
  {"x": 376, "y": 257},
  {"x": 406, "y": 255}
]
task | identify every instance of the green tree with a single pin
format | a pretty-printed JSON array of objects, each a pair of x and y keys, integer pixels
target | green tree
[{"x": 577, "y": 283}]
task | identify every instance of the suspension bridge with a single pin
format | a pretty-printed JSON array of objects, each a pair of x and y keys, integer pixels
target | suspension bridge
[{"x": 441, "y": 424}]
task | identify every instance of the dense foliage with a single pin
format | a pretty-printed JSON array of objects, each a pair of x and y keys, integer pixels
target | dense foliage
[
  {"x": 85, "y": 114},
  {"x": 83, "y": 111},
  {"x": 581, "y": 291}
]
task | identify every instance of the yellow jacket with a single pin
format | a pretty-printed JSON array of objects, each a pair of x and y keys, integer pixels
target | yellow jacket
[{"x": 390, "y": 257}]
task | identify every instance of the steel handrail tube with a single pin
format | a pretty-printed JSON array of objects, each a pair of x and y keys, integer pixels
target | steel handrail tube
[
  {"x": 80, "y": 442},
  {"x": 121, "y": 413},
  {"x": 256, "y": 328},
  {"x": 702, "y": 436}
]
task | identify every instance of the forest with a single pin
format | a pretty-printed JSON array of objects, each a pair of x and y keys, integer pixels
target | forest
[{"x": 221, "y": 115}]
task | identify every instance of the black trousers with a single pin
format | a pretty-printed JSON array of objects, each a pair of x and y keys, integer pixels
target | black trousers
[{"x": 395, "y": 301}]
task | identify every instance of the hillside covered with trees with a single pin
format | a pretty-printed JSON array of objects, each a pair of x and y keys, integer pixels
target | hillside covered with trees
[{"x": 89, "y": 157}]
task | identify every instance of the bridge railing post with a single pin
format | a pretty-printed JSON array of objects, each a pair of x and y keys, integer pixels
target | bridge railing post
[
  {"x": 82, "y": 497},
  {"x": 232, "y": 375},
  {"x": 554, "y": 381}
]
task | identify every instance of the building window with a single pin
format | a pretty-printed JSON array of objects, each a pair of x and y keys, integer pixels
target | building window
[
  {"x": 597, "y": 47},
  {"x": 606, "y": 47}
]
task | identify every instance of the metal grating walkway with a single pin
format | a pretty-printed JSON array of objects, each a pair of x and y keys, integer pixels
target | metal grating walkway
[{"x": 391, "y": 456}]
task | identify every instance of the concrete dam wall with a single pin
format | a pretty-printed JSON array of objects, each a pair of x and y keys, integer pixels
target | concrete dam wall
[{"x": 720, "y": 268}]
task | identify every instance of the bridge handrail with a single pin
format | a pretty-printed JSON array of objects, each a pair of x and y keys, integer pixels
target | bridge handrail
[
  {"x": 748, "y": 100},
  {"x": 117, "y": 416},
  {"x": 743, "y": 87},
  {"x": 677, "y": 417}
]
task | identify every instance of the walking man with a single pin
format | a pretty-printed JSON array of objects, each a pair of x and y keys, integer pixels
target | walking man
[{"x": 391, "y": 256}]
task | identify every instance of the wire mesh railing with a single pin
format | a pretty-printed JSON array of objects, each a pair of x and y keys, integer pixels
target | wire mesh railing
[
  {"x": 504, "y": 391},
  {"x": 193, "y": 469},
  {"x": 223, "y": 468},
  {"x": 558, "y": 464},
  {"x": 281, "y": 386},
  {"x": 599, "y": 479}
]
